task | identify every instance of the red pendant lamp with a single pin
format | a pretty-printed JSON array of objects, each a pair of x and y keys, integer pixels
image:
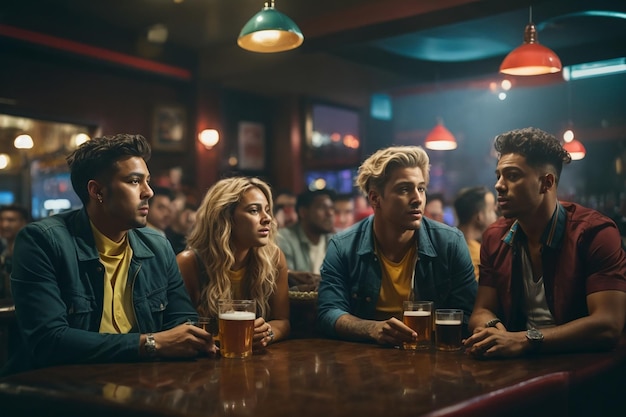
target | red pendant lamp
[
  {"x": 531, "y": 58},
  {"x": 440, "y": 138},
  {"x": 575, "y": 148}
]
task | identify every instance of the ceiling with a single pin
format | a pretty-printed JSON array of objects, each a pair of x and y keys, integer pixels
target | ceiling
[{"x": 351, "y": 48}]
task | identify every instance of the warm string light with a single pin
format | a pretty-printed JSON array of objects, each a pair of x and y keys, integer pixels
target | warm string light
[
  {"x": 5, "y": 160},
  {"x": 23, "y": 142},
  {"x": 209, "y": 138}
]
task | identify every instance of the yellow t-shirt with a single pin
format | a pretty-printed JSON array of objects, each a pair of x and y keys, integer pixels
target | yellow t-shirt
[
  {"x": 236, "y": 278},
  {"x": 118, "y": 314},
  {"x": 474, "y": 250},
  {"x": 395, "y": 286}
]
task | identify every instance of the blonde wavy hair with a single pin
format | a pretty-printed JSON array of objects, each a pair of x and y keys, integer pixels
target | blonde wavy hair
[
  {"x": 211, "y": 240},
  {"x": 374, "y": 171}
]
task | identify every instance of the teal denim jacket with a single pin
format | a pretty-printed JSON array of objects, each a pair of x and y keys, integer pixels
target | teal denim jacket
[
  {"x": 58, "y": 286},
  {"x": 351, "y": 273}
]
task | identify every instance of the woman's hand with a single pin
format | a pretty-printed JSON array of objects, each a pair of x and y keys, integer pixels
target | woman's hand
[{"x": 263, "y": 334}]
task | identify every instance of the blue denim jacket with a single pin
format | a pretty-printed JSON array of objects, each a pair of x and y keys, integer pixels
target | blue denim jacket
[
  {"x": 351, "y": 273},
  {"x": 58, "y": 286}
]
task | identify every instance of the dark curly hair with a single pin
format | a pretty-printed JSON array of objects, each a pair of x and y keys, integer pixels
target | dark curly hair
[
  {"x": 538, "y": 147},
  {"x": 96, "y": 159}
]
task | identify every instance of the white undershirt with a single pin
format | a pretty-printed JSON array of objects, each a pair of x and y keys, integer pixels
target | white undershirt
[
  {"x": 537, "y": 312},
  {"x": 317, "y": 254}
]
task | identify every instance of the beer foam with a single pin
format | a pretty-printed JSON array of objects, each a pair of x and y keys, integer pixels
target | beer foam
[
  {"x": 238, "y": 315},
  {"x": 417, "y": 313},
  {"x": 448, "y": 322}
]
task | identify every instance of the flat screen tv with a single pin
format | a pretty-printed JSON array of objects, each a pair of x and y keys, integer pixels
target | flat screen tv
[
  {"x": 333, "y": 136},
  {"x": 51, "y": 189}
]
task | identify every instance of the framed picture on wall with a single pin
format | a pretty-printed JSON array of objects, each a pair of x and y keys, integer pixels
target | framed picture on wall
[
  {"x": 251, "y": 145},
  {"x": 169, "y": 128}
]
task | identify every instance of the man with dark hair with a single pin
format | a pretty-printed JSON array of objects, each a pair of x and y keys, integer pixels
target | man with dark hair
[
  {"x": 13, "y": 218},
  {"x": 475, "y": 210},
  {"x": 434, "y": 207},
  {"x": 95, "y": 285},
  {"x": 552, "y": 273},
  {"x": 181, "y": 226},
  {"x": 161, "y": 213},
  {"x": 285, "y": 209},
  {"x": 344, "y": 212},
  {"x": 304, "y": 244}
]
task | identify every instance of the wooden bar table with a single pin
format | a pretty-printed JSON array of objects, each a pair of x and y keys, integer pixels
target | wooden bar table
[
  {"x": 324, "y": 378},
  {"x": 7, "y": 321}
]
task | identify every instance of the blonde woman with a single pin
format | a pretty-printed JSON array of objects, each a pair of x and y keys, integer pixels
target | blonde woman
[{"x": 231, "y": 254}]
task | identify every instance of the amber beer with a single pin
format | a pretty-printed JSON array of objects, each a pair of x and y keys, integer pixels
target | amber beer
[
  {"x": 207, "y": 324},
  {"x": 448, "y": 329},
  {"x": 421, "y": 322},
  {"x": 236, "y": 330},
  {"x": 418, "y": 316},
  {"x": 236, "y": 327}
]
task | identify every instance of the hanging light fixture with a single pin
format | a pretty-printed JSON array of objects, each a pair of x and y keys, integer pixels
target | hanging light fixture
[
  {"x": 531, "y": 58},
  {"x": 440, "y": 138},
  {"x": 575, "y": 148},
  {"x": 270, "y": 31}
]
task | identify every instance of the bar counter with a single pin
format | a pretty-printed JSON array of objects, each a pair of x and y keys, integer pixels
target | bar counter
[{"x": 325, "y": 378}]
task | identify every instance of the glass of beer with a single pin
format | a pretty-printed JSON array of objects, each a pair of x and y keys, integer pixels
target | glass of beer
[
  {"x": 448, "y": 329},
  {"x": 418, "y": 316},
  {"x": 208, "y": 324},
  {"x": 236, "y": 323}
]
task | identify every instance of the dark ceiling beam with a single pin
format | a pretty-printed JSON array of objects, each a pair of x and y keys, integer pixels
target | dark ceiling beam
[
  {"x": 94, "y": 52},
  {"x": 373, "y": 13},
  {"x": 459, "y": 74},
  {"x": 389, "y": 18}
]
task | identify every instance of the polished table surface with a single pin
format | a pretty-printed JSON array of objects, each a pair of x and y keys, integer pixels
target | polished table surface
[
  {"x": 306, "y": 377},
  {"x": 7, "y": 320}
]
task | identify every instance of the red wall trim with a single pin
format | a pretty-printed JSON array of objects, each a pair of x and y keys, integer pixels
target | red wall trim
[{"x": 95, "y": 52}]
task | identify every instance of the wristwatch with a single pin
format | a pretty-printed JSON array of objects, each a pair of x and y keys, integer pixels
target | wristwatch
[
  {"x": 150, "y": 345},
  {"x": 535, "y": 337}
]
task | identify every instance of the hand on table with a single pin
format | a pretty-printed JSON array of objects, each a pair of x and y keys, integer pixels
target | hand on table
[
  {"x": 488, "y": 342},
  {"x": 184, "y": 341},
  {"x": 393, "y": 332}
]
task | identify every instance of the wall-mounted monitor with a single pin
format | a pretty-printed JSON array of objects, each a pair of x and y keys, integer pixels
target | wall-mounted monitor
[
  {"x": 51, "y": 188},
  {"x": 6, "y": 197},
  {"x": 341, "y": 181},
  {"x": 333, "y": 136}
]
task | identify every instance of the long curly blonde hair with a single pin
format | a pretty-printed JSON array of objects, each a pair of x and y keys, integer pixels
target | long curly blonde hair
[{"x": 211, "y": 240}]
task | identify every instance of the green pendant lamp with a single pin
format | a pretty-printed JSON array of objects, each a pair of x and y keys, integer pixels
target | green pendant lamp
[{"x": 270, "y": 31}]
